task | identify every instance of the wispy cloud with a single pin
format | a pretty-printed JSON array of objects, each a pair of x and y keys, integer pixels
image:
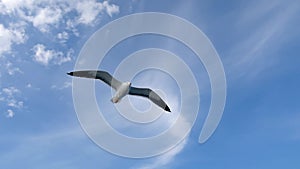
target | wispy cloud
[
  {"x": 64, "y": 86},
  {"x": 264, "y": 27},
  {"x": 11, "y": 96},
  {"x": 166, "y": 159},
  {"x": 10, "y": 113},
  {"x": 11, "y": 70},
  {"x": 42, "y": 145},
  {"x": 10, "y": 91}
]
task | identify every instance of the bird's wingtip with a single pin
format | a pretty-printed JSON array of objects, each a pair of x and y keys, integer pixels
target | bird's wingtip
[{"x": 167, "y": 109}]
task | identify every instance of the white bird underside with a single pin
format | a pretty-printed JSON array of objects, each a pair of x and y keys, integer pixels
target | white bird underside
[{"x": 122, "y": 89}]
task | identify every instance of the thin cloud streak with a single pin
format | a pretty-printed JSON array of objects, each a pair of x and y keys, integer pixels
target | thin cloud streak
[
  {"x": 47, "y": 140},
  {"x": 166, "y": 159},
  {"x": 251, "y": 51}
]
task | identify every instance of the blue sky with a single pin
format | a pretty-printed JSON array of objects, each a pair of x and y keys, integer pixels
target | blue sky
[{"x": 257, "y": 41}]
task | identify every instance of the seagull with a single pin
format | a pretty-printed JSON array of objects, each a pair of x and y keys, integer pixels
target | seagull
[{"x": 122, "y": 89}]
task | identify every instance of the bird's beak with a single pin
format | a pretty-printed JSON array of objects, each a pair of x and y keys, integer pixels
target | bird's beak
[{"x": 70, "y": 73}]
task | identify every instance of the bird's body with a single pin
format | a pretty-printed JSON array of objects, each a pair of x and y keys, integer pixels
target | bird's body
[{"x": 122, "y": 89}]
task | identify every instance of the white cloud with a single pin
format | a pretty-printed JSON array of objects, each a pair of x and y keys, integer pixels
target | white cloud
[
  {"x": 63, "y": 36},
  {"x": 45, "y": 17},
  {"x": 14, "y": 103},
  {"x": 45, "y": 56},
  {"x": 10, "y": 36},
  {"x": 10, "y": 113},
  {"x": 10, "y": 91},
  {"x": 42, "y": 55},
  {"x": 111, "y": 9},
  {"x": 11, "y": 69},
  {"x": 29, "y": 85},
  {"x": 43, "y": 14},
  {"x": 67, "y": 85},
  {"x": 88, "y": 10},
  {"x": 12, "y": 6},
  {"x": 71, "y": 25},
  {"x": 11, "y": 100},
  {"x": 64, "y": 86},
  {"x": 6, "y": 39},
  {"x": 11, "y": 96}
]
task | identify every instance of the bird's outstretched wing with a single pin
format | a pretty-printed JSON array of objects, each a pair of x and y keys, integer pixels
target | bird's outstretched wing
[
  {"x": 97, "y": 74},
  {"x": 145, "y": 92}
]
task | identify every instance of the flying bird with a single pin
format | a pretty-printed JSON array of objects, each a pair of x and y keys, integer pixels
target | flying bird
[{"x": 122, "y": 89}]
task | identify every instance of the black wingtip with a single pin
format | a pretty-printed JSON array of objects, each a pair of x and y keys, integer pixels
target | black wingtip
[
  {"x": 167, "y": 109},
  {"x": 70, "y": 73}
]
